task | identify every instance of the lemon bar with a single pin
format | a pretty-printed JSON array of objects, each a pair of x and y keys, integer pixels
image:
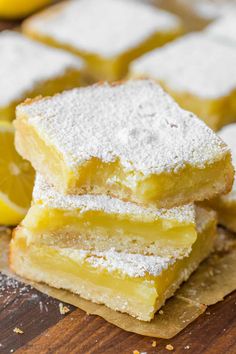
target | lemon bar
[
  {"x": 100, "y": 222},
  {"x": 226, "y": 205},
  {"x": 28, "y": 69},
  {"x": 224, "y": 28},
  {"x": 131, "y": 283},
  {"x": 108, "y": 34},
  {"x": 129, "y": 140},
  {"x": 201, "y": 83},
  {"x": 205, "y": 10}
]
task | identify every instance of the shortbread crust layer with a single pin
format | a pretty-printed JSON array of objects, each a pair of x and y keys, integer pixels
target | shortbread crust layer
[
  {"x": 136, "y": 284},
  {"x": 102, "y": 146},
  {"x": 128, "y": 30}
]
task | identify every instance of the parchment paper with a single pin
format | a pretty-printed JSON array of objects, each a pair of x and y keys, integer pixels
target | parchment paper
[{"x": 214, "y": 279}]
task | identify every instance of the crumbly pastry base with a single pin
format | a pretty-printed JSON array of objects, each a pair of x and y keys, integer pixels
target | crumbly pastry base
[
  {"x": 25, "y": 262},
  {"x": 102, "y": 243}
]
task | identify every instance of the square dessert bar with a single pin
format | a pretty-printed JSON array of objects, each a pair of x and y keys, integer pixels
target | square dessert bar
[
  {"x": 108, "y": 34},
  {"x": 224, "y": 29},
  {"x": 100, "y": 222},
  {"x": 132, "y": 283},
  {"x": 28, "y": 69},
  {"x": 199, "y": 72},
  {"x": 206, "y": 10},
  {"x": 226, "y": 205},
  {"x": 130, "y": 141}
]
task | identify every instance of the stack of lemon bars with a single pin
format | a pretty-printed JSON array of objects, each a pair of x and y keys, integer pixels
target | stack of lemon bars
[{"x": 119, "y": 170}]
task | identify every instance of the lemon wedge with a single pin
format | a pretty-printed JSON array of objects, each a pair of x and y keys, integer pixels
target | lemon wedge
[
  {"x": 14, "y": 9},
  {"x": 16, "y": 179}
]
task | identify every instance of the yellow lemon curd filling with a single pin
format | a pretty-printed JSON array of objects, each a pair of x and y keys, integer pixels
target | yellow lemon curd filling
[
  {"x": 96, "y": 229},
  {"x": 97, "y": 277},
  {"x": 214, "y": 112},
  {"x": 110, "y": 69}
]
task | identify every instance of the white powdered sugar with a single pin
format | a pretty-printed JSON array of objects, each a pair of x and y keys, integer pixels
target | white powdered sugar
[
  {"x": 196, "y": 63},
  {"x": 133, "y": 265},
  {"x": 228, "y": 134},
  {"x": 106, "y": 27},
  {"x": 135, "y": 122},
  {"x": 210, "y": 9},
  {"x": 50, "y": 198},
  {"x": 25, "y": 63},
  {"x": 224, "y": 28}
]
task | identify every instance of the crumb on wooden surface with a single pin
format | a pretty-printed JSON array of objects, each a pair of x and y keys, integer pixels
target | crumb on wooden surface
[
  {"x": 169, "y": 347},
  {"x": 63, "y": 309},
  {"x": 17, "y": 330},
  {"x": 154, "y": 343}
]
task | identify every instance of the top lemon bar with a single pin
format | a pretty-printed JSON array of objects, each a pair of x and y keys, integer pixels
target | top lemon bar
[
  {"x": 199, "y": 71},
  {"x": 28, "y": 69},
  {"x": 224, "y": 28},
  {"x": 108, "y": 34},
  {"x": 128, "y": 140}
]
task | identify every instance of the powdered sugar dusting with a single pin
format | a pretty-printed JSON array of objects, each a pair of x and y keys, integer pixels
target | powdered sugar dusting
[
  {"x": 224, "y": 28},
  {"x": 211, "y": 9},
  {"x": 196, "y": 64},
  {"x": 25, "y": 63},
  {"x": 133, "y": 265},
  {"x": 228, "y": 134},
  {"x": 135, "y": 122},
  {"x": 49, "y": 197},
  {"x": 108, "y": 28}
]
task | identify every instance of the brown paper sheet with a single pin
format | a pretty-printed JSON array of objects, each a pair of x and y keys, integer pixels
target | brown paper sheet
[{"x": 213, "y": 280}]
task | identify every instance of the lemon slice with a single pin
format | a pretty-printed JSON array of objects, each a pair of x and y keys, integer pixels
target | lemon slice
[
  {"x": 13, "y": 9},
  {"x": 16, "y": 179}
]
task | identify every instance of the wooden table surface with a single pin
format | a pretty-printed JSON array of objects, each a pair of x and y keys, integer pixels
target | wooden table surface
[{"x": 47, "y": 331}]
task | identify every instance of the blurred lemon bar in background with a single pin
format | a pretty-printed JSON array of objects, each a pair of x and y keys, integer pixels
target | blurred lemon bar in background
[
  {"x": 208, "y": 9},
  {"x": 28, "y": 69},
  {"x": 16, "y": 179},
  {"x": 100, "y": 222},
  {"x": 226, "y": 205},
  {"x": 108, "y": 34},
  {"x": 15, "y": 9},
  {"x": 132, "y": 283},
  {"x": 200, "y": 74},
  {"x": 127, "y": 140},
  {"x": 224, "y": 29}
]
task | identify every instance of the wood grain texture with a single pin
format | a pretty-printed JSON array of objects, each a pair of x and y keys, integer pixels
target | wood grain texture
[
  {"x": 26, "y": 308},
  {"x": 47, "y": 331}
]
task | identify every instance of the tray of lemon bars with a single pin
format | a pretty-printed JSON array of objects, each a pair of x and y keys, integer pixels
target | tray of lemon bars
[{"x": 117, "y": 181}]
